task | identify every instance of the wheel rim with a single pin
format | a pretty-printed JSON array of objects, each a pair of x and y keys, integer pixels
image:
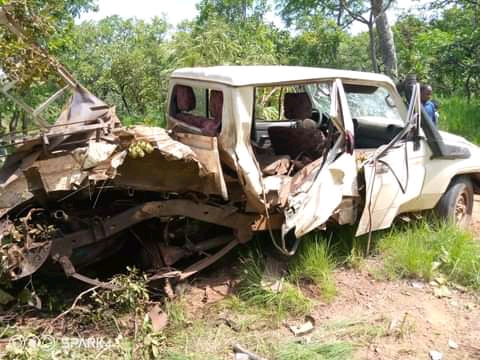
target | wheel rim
[{"x": 461, "y": 208}]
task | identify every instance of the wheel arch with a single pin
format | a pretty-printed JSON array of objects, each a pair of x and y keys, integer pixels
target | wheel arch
[{"x": 474, "y": 177}]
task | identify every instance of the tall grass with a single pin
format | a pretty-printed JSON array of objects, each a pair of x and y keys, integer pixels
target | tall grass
[
  {"x": 289, "y": 301},
  {"x": 314, "y": 261},
  {"x": 460, "y": 117},
  {"x": 421, "y": 250}
]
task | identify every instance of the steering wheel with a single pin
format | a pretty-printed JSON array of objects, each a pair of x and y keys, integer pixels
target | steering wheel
[{"x": 324, "y": 122}]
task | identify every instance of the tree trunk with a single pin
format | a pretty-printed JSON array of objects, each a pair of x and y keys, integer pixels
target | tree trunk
[
  {"x": 387, "y": 45},
  {"x": 12, "y": 126},
  {"x": 24, "y": 123},
  {"x": 121, "y": 92},
  {"x": 340, "y": 16},
  {"x": 373, "y": 47}
]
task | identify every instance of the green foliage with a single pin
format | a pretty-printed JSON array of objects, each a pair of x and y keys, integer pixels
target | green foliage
[
  {"x": 314, "y": 261},
  {"x": 231, "y": 11},
  {"x": 293, "y": 10},
  {"x": 127, "y": 62},
  {"x": 420, "y": 250},
  {"x": 460, "y": 117},
  {"x": 317, "y": 44},
  {"x": 220, "y": 43},
  {"x": 443, "y": 51},
  {"x": 44, "y": 23},
  {"x": 353, "y": 54},
  {"x": 128, "y": 294},
  {"x": 124, "y": 62}
]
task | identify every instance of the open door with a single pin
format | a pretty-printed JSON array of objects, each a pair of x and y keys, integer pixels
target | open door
[
  {"x": 317, "y": 190},
  {"x": 394, "y": 174}
]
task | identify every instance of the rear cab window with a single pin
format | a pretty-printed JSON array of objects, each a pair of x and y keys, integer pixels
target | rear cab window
[{"x": 197, "y": 109}]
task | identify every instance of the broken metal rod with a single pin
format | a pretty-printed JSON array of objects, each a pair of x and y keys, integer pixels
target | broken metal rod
[{"x": 240, "y": 349}]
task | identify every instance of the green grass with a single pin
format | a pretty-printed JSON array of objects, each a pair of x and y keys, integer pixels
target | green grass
[
  {"x": 176, "y": 312},
  {"x": 289, "y": 301},
  {"x": 422, "y": 249},
  {"x": 314, "y": 261},
  {"x": 460, "y": 117},
  {"x": 339, "y": 350}
]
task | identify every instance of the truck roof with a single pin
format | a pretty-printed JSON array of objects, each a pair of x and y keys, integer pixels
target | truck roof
[{"x": 244, "y": 75}]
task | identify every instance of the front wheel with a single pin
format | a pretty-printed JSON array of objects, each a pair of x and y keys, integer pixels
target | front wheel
[{"x": 456, "y": 204}]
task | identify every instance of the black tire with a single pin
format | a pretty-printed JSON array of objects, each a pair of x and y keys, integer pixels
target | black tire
[{"x": 456, "y": 204}]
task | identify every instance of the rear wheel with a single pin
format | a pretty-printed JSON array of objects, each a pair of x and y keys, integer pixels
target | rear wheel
[{"x": 456, "y": 204}]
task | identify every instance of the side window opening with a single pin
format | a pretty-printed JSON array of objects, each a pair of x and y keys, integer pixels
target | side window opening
[
  {"x": 291, "y": 126},
  {"x": 198, "y": 108}
]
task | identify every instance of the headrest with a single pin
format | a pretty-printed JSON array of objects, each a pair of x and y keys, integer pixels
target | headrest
[
  {"x": 215, "y": 104},
  {"x": 297, "y": 106},
  {"x": 185, "y": 98}
]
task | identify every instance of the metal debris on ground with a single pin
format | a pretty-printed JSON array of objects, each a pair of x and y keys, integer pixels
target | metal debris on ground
[
  {"x": 231, "y": 324},
  {"x": 418, "y": 284},
  {"x": 35, "y": 301},
  {"x": 442, "y": 291},
  {"x": 243, "y": 354},
  {"x": 305, "y": 328}
]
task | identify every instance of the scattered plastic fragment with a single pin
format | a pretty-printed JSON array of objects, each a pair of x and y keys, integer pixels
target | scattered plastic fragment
[
  {"x": 452, "y": 344},
  {"x": 435, "y": 355}
]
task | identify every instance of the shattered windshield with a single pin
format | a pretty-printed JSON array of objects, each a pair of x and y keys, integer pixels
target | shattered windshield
[{"x": 370, "y": 101}]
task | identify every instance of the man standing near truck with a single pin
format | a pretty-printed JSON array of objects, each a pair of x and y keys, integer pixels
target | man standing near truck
[{"x": 429, "y": 106}]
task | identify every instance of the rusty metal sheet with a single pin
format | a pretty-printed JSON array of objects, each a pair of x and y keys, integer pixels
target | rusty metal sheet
[
  {"x": 173, "y": 165},
  {"x": 206, "y": 150},
  {"x": 61, "y": 173}
]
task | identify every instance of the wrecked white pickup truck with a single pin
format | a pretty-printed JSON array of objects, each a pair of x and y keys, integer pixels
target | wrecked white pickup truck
[{"x": 248, "y": 149}]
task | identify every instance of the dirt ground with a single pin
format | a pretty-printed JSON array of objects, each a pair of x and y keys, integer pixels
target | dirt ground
[
  {"x": 414, "y": 320},
  {"x": 419, "y": 322}
]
